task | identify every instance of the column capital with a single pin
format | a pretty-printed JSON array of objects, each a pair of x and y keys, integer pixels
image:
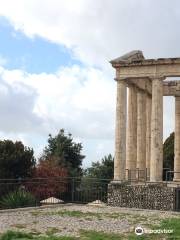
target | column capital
[
  {"x": 132, "y": 86},
  {"x": 160, "y": 78},
  {"x": 139, "y": 90},
  {"x": 120, "y": 79}
]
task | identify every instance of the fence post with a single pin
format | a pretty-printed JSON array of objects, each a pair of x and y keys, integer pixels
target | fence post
[
  {"x": 166, "y": 175},
  {"x": 72, "y": 189},
  {"x": 137, "y": 173},
  {"x": 146, "y": 174}
]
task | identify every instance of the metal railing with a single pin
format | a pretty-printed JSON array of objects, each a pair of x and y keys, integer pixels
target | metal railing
[
  {"x": 137, "y": 175},
  {"x": 31, "y": 192},
  {"x": 171, "y": 175},
  {"x": 75, "y": 190}
]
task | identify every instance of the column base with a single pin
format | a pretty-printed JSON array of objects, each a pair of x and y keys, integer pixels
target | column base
[
  {"x": 176, "y": 180},
  {"x": 115, "y": 182}
]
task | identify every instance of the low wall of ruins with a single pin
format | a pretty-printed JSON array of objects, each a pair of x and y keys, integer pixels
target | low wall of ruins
[{"x": 152, "y": 196}]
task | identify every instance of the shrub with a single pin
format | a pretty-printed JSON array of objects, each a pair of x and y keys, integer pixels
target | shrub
[
  {"x": 10, "y": 235},
  {"x": 18, "y": 198}
]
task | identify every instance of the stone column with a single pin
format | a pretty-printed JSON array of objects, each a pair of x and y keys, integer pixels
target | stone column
[
  {"x": 120, "y": 132},
  {"x": 141, "y": 133},
  {"x": 131, "y": 153},
  {"x": 156, "y": 163},
  {"x": 177, "y": 140},
  {"x": 148, "y": 133}
]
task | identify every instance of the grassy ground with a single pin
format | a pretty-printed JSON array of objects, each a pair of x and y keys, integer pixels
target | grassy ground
[
  {"x": 79, "y": 214},
  {"x": 147, "y": 221},
  {"x": 133, "y": 219},
  {"x": 173, "y": 223}
]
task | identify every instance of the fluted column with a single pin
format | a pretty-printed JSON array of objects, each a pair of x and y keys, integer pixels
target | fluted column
[
  {"x": 156, "y": 163},
  {"x": 131, "y": 151},
  {"x": 141, "y": 132},
  {"x": 148, "y": 132},
  {"x": 120, "y": 132},
  {"x": 177, "y": 140}
]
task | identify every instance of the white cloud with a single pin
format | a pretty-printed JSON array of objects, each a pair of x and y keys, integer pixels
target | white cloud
[
  {"x": 82, "y": 99},
  {"x": 16, "y": 107},
  {"x": 97, "y": 31},
  {"x": 70, "y": 94}
]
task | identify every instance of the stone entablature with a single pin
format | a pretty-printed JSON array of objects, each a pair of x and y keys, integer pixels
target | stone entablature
[
  {"x": 139, "y": 126},
  {"x": 171, "y": 88},
  {"x": 133, "y": 67}
]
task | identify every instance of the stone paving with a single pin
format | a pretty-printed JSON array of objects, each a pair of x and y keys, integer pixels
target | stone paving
[{"x": 69, "y": 219}]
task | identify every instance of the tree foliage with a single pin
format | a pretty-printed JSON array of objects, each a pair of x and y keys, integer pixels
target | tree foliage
[
  {"x": 168, "y": 152},
  {"x": 53, "y": 179},
  {"x": 101, "y": 170},
  {"x": 16, "y": 160},
  {"x": 48, "y": 168},
  {"x": 67, "y": 152}
]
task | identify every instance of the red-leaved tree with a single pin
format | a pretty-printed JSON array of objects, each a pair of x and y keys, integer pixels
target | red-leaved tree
[{"x": 49, "y": 180}]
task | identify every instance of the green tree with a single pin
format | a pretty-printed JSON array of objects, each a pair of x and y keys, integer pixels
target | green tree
[
  {"x": 168, "y": 152},
  {"x": 96, "y": 178},
  {"x": 103, "y": 169},
  {"x": 66, "y": 152},
  {"x": 168, "y": 157},
  {"x": 16, "y": 160}
]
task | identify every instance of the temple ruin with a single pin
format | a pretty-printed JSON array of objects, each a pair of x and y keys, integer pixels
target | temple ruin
[{"x": 139, "y": 119}]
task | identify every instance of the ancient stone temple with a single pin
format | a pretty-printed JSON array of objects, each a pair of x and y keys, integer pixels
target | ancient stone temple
[{"x": 139, "y": 131}]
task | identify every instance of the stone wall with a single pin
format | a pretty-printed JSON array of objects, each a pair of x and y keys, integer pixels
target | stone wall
[{"x": 154, "y": 196}]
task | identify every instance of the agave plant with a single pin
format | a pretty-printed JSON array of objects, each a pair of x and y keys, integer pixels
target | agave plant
[{"x": 18, "y": 198}]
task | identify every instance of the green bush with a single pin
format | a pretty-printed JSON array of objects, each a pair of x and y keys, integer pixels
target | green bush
[
  {"x": 10, "y": 235},
  {"x": 18, "y": 198}
]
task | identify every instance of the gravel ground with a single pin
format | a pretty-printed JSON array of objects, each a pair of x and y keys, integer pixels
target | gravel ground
[{"x": 106, "y": 219}]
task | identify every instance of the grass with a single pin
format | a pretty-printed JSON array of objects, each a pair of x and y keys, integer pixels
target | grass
[
  {"x": 92, "y": 235},
  {"x": 173, "y": 223},
  {"x": 18, "y": 225},
  {"x": 76, "y": 214},
  {"x": 84, "y": 235},
  {"x": 36, "y": 213},
  {"x": 132, "y": 218},
  {"x": 11, "y": 235},
  {"x": 52, "y": 230},
  {"x": 166, "y": 224},
  {"x": 151, "y": 222},
  {"x": 86, "y": 215}
]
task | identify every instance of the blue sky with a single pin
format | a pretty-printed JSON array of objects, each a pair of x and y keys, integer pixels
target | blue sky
[
  {"x": 34, "y": 55},
  {"x": 55, "y": 71}
]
